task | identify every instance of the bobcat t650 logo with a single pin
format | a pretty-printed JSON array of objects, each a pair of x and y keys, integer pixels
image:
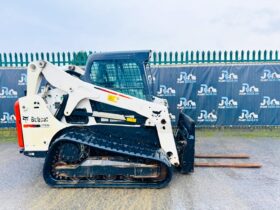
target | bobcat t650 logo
[
  {"x": 186, "y": 78},
  {"x": 246, "y": 116},
  {"x": 8, "y": 93},
  {"x": 164, "y": 91},
  {"x": 227, "y": 104},
  {"x": 35, "y": 122},
  {"x": 7, "y": 118},
  {"x": 228, "y": 77},
  {"x": 27, "y": 119},
  {"x": 207, "y": 117},
  {"x": 269, "y": 103},
  {"x": 206, "y": 91},
  {"x": 186, "y": 104},
  {"x": 269, "y": 77},
  {"x": 246, "y": 89},
  {"x": 23, "y": 79}
]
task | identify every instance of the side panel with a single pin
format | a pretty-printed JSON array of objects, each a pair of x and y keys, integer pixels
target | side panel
[{"x": 38, "y": 124}]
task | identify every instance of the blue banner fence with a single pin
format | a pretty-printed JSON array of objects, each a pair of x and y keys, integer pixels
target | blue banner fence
[{"x": 214, "y": 88}]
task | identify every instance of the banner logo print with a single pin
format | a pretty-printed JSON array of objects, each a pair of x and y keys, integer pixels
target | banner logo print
[
  {"x": 246, "y": 116},
  {"x": 7, "y": 118},
  {"x": 228, "y": 77},
  {"x": 269, "y": 77},
  {"x": 207, "y": 117},
  {"x": 186, "y": 104},
  {"x": 206, "y": 91},
  {"x": 268, "y": 103},
  {"x": 186, "y": 78},
  {"x": 227, "y": 104},
  {"x": 164, "y": 91},
  {"x": 23, "y": 79},
  {"x": 246, "y": 89},
  {"x": 8, "y": 93}
]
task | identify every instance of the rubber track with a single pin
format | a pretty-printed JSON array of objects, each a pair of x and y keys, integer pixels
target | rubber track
[{"x": 87, "y": 137}]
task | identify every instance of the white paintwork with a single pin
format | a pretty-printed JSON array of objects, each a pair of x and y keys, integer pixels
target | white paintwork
[{"x": 79, "y": 95}]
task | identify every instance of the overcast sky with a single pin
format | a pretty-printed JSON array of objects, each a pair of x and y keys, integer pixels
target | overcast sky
[{"x": 65, "y": 25}]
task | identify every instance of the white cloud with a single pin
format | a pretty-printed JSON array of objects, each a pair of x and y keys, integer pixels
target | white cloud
[{"x": 127, "y": 25}]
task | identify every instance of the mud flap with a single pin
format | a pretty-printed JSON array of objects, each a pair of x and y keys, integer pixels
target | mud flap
[{"x": 185, "y": 140}]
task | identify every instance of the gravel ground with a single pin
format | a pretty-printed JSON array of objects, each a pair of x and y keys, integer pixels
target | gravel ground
[{"x": 22, "y": 185}]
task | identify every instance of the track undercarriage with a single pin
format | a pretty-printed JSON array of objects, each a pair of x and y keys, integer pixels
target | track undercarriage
[{"x": 93, "y": 163}]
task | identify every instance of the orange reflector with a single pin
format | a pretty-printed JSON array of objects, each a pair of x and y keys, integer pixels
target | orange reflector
[{"x": 18, "y": 125}]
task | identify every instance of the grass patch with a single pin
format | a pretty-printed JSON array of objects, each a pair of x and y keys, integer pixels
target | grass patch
[
  {"x": 239, "y": 132},
  {"x": 8, "y": 135}
]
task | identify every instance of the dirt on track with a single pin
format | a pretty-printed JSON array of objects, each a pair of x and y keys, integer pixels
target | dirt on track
[{"x": 22, "y": 185}]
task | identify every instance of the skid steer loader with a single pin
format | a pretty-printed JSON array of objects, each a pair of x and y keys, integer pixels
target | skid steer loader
[{"x": 101, "y": 127}]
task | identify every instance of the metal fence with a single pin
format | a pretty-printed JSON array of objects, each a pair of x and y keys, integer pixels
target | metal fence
[
  {"x": 221, "y": 89},
  {"x": 160, "y": 58}
]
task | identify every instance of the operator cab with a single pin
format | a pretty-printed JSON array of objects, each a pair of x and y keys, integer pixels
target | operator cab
[{"x": 123, "y": 72}]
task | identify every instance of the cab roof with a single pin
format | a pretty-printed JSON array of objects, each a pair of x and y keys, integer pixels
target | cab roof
[{"x": 139, "y": 55}]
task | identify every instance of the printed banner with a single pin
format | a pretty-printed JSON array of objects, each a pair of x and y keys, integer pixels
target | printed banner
[
  {"x": 221, "y": 95},
  {"x": 213, "y": 95}
]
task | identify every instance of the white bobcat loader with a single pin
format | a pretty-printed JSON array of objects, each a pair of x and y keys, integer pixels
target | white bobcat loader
[{"x": 101, "y": 127}]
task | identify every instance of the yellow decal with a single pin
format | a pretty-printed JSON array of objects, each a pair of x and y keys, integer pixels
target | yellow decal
[
  {"x": 130, "y": 119},
  {"x": 113, "y": 98}
]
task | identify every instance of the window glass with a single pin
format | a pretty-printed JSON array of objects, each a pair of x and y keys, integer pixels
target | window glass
[{"x": 122, "y": 76}]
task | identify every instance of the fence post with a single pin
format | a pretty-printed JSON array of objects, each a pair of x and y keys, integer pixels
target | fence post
[
  {"x": 192, "y": 55},
  {"x": 48, "y": 57},
  {"x": 21, "y": 59},
  {"x": 265, "y": 55},
  {"x": 270, "y": 55},
  {"x": 5, "y": 60},
  {"x": 225, "y": 57},
  {"x": 85, "y": 58},
  {"x": 53, "y": 58},
  {"x": 236, "y": 56},
  {"x": 154, "y": 57},
  {"x": 58, "y": 59},
  {"x": 69, "y": 58},
  {"x": 176, "y": 57},
  {"x": 208, "y": 56},
  {"x": 214, "y": 57},
  {"x": 276, "y": 55},
  {"x": 170, "y": 57},
  {"x": 203, "y": 57},
  {"x": 11, "y": 59},
  {"x": 26, "y": 59},
  {"x": 159, "y": 57},
  {"x": 63, "y": 58},
  {"x": 16, "y": 59},
  {"x": 0, "y": 59},
  {"x": 197, "y": 57},
  {"x": 230, "y": 56},
  {"x": 242, "y": 55},
  {"x": 220, "y": 56},
  {"x": 74, "y": 59},
  {"x": 37, "y": 56},
  {"x": 42, "y": 56},
  {"x": 254, "y": 55},
  {"x": 187, "y": 57},
  {"x": 248, "y": 56},
  {"x": 182, "y": 57},
  {"x": 259, "y": 55}
]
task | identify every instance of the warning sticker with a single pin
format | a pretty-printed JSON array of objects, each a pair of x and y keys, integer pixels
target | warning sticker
[{"x": 113, "y": 98}]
